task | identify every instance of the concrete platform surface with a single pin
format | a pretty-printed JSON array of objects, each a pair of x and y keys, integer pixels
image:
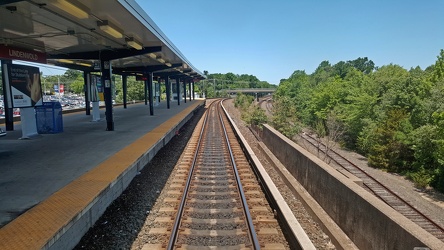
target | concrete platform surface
[{"x": 31, "y": 170}]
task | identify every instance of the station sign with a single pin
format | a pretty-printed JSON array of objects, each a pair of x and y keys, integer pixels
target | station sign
[{"x": 15, "y": 53}]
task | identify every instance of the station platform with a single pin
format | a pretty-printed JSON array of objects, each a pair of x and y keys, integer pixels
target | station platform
[{"x": 53, "y": 187}]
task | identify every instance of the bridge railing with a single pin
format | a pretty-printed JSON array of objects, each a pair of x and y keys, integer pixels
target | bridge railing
[{"x": 250, "y": 90}]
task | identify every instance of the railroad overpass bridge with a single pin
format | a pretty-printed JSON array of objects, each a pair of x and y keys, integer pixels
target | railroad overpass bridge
[
  {"x": 257, "y": 92},
  {"x": 250, "y": 90}
]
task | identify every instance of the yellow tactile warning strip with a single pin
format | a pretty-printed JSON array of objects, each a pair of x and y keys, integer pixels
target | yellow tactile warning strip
[{"x": 34, "y": 228}]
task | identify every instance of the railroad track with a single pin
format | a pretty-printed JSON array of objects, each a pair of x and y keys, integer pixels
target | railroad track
[
  {"x": 381, "y": 191},
  {"x": 215, "y": 198},
  {"x": 268, "y": 103}
]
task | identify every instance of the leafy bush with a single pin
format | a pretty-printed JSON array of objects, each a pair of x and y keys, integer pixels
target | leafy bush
[
  {"x": 421, "y": 178},
  {"x": 255, "y": 116},
  {"x": 284, "y": 118},
  {"x": 243, "y": 101},
  {"x": 393, "y": 116}
]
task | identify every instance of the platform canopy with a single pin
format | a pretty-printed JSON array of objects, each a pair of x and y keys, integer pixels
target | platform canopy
[{"x": 77, "y": 34}]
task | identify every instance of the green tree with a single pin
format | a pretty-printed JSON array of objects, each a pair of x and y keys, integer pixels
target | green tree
[
  {"x": 243, "y": 101},
  {"x": 356, "y": 109},
  {"x": 77, "y": 86},
  {"x": 135, "y": 90},
  {"x": 390, "y": 149},
  {"x": 299, "y": 89},
  {"x": 69, "y": 77},
  {"x": 341, "y": 69},
  {"x": 322, "y": 72},
  {"x": 438, "y": 69},
  {"x": 392, "y": 115},
  {"x": 438, "y": 156},
  {"x": 363, "y": 64},
  {"x": 254, "y": 115},
  {"x": 284, "y": 118}
]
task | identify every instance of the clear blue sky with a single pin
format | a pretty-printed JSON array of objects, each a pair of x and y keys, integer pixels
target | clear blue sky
[{"x": 271, "y": 39}]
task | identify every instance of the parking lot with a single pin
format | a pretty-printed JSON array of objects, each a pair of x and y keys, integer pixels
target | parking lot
[{"x": 69, "y": 101}]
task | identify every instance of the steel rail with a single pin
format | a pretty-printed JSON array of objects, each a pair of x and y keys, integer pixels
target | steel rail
[
  {"x": 253, "y": 235},
  {"x": 375, "y": 181},
  {"x": 175, "y": 231}
]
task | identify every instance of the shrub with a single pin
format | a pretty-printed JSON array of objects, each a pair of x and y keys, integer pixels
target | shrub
[
  {"x": 254, "y": 116},
  {"x": 420, "y": 178}
]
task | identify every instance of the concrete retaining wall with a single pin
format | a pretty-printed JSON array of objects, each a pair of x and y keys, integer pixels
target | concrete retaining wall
[{"x": 369, "y": 222}]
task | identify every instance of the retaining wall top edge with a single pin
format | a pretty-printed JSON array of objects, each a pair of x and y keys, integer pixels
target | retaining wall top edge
[{"x": 408, "y": 225}]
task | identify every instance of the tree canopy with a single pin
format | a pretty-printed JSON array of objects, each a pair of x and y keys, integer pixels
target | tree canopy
[
  {"x": 217, "y": 84},
  {"x": 392, "y": 115}
]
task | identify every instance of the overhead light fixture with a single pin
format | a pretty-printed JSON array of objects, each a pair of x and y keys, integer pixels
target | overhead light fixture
[
  {"x": 168, "y": 64},
  {"x": 85, "y": 64},
  {"x": 73, "y": 7},
  {"x": 133, "y": 43},
  {"x": 66, "y": 61},
  {"x": 184, "y": 65},
  {"x": 109, "y": 28},
  {"x": 152, "y": 55},
  {"x": 159, "y": 59}
]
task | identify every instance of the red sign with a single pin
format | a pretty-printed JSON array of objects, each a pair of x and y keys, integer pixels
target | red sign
[
  {"x": 62, "y": 89},
  {"x": 141, "y": 78},
  {"x": 14, "y": 53}
]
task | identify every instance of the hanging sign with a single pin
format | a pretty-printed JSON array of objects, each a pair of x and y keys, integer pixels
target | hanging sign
[
  {"x": 97, "y": 65},
  {"x": 141, "y": 78},
  {"x": 14, "y": 53}
]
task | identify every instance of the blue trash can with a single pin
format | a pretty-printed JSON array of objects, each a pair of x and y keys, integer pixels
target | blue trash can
[{"x": 49, "y": 118}]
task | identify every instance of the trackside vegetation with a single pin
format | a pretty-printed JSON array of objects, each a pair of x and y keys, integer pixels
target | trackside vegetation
[
  {"x": 250, "y": 113},
  {"x": 393, "y": 116}
]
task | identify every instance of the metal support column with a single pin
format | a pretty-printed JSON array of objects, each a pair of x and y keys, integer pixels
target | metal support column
[
  {"x": 150, "y": 91},
  {"x": 189, "y": 88},
  {"x": 192, "y": 92},
  {"x": 168, "y": 91},
  {"x": 125, "y": 89},
  {"x": 9, "y": 112},
  {"x": 87, "y": 88},
  {"x": 178, "y": 90},
  {"x": 145, "y": 87},
  {"x": 106, "y": 81},
  {"x": 158, "y": 90},
  {"x": 184, "y": 90}
]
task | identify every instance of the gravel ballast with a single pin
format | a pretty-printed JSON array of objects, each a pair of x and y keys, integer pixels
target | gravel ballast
[{"x": 123, "y": 222}]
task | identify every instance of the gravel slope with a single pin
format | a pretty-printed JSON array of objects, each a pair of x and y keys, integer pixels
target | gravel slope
[
  {"x": 429, "y": 201},
  {"x": 119, "y": 226},
  {"x": 124, "y": 221}
]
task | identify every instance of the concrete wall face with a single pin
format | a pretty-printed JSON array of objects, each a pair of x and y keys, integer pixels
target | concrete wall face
[{"x": 370, "y": 223}]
